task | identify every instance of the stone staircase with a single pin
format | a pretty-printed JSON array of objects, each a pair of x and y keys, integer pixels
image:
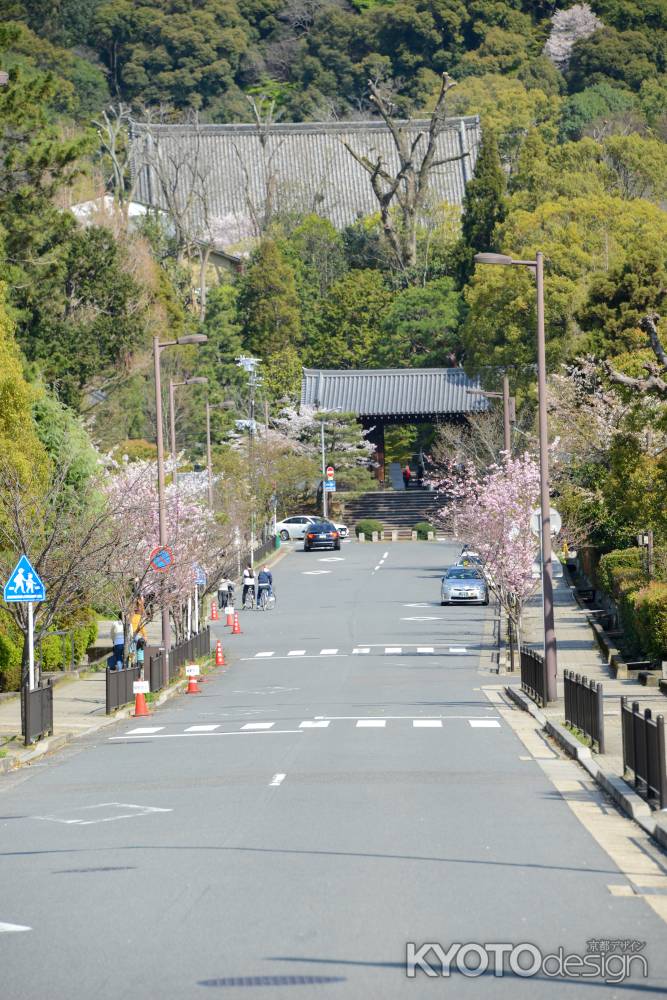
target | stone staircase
[{"x": 400, "y": 509}]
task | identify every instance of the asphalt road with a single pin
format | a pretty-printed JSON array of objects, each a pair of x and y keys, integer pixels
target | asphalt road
[{"x": 344, "y": 788}]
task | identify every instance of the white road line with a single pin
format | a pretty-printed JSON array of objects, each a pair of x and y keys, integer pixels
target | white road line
[
  {"x": 427, "y": 723},
  {"x": 13, "y": 928},
  {"x": 297, "y": 652},
  {"x": 384, "y": 555},
  {"x": 392, "y": 649},
  {"x": 276, "y": 780},
  {"x": 484, "y": 723},
  {"x": 257, "y": 655},
  {"x": 424, "y": 649},
  {"x": 458, "y": 649},
  {"x": 322, "y": 724},
  {"x": 328, "y": 652},
  {"x": 258, "y": 725},
  {"x": 311, "y": 656},
  {"x": 361, "y": 650},
  {"x": 144, "y": 730},
  {"x": 203, "y": 729},
  {"x": 371, "y": 723},
  {"x": 191, "y": 736},
  {"x": 394, "y": 718}
]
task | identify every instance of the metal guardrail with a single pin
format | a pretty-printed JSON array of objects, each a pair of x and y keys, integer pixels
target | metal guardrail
[
  {"x": 38, "y": 712},
  {"x": 583, "y": 707},
  {"x": 644, "y": 751},
  {"x": 196, "y": 646},
  {"x": 534, "y": 675},
  {"x": 120, "y": 687}
]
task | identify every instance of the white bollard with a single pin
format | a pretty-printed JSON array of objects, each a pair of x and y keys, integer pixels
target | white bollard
[
  {"x": 374, "y": 536},
  {"x": 430, "y": 536},
  {"x": 361, "y": 537},
  {"x": 394, "y": 535},
  {"x": 414, "y": 536}
]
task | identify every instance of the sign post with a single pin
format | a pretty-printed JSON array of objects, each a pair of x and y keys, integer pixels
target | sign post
[{"x": 25, "y": 587}]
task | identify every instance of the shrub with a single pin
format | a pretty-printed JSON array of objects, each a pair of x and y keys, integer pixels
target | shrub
[
  {"x": 651, "y": 620},
  {"x": 367, "y": 526},
  {"x": 423, "y": 528},
  {"x": 615, "y": 565},
  {"x": 10, "y": 664}
]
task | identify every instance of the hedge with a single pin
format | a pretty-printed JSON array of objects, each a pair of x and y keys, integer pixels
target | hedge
[
  {"x": 650, "y": 611},
  {"x": 367, "y": 526},
  {"x": 423, "y": 528},
  {"x": 55, "y": 650},
  {"x": 616, "y": 565}
]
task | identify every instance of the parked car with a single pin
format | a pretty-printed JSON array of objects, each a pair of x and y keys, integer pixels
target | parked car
[
  {"x": 321, "y": 535},
  {"x": 295, "y": 527},
  {"x": 463, "y": 585}
]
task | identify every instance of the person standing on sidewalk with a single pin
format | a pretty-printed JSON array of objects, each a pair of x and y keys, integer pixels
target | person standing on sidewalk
[{"x": 117, "y": 633}]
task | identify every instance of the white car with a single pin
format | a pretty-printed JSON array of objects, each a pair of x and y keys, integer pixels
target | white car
[{"x": 295, "y": 527}]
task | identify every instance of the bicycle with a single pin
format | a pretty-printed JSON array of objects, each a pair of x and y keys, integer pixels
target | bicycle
[
  {"x": 249, "y": 600},
  {"x": 266, "y": 600}
]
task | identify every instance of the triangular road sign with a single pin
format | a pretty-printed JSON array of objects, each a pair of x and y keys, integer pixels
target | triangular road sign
[{"x": 24, "y": 584}]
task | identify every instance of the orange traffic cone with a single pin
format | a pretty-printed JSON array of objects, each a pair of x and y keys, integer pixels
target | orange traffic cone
[
  {"x": 214, "y": 611},
  {"x": 219, "y": 655},
  {"x": 236, "y": 630},
  {"x": 140, "y": 706},
  {"x": 229, "y": 612},
  {"x": 193, "y": 687}
]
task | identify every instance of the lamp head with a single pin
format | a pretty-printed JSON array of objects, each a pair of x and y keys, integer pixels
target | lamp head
[{"x": 493, "y": 258}]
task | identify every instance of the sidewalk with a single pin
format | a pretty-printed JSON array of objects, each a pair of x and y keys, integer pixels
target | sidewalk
[{"x": 578, "y": 651}]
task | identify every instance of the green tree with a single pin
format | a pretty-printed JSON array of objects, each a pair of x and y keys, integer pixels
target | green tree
[
  {"x": 348, "y": 331},
  {"x": 483, "y": 205},
  {"x": 592, "y": 104},
  {"x": 269, "y": 303},
  {"x": 629, "y": 57},
  {"x": 421, "y": 327}
]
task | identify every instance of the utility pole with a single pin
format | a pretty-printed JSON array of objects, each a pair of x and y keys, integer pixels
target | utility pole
[
  {"x": 507, "y": 431},
  {"x": 324, "y": 464},
  {"x": 249, "y": 364}
]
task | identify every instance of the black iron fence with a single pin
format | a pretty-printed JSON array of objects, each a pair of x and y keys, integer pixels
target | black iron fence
[
  {"x": 265, "y": 549},
  {"x": 644, "y": 751},
  {"x": 120, "y": 687},
  {"x": 534, "y": 675},
  {"x": 583, "y": 707},
  {"x": 38, "y": 712},
  {"x": 196, "y": 646}
]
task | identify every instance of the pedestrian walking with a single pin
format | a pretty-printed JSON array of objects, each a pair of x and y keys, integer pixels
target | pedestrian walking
[
  {"x": 248, "y": 584},
  {"x": 117, "y": 633},
  {"x": 407, "y": 475},
  {"x": 225, "y": 592}
]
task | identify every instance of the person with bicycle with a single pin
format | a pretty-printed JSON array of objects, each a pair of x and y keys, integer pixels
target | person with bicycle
[
  {"x": 248, "y": 586},
  {"x": 264, "y": 585}
]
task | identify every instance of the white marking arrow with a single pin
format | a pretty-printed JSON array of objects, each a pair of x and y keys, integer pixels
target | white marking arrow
[{"x": 13, "y": 928}]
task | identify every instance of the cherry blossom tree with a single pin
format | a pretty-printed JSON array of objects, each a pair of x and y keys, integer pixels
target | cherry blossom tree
[{"x": 490, "y": 511}]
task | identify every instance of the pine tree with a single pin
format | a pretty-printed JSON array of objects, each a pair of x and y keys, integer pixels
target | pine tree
[
  {"x": 483, "y": 206},
  {"x": 269, "y": 303}
]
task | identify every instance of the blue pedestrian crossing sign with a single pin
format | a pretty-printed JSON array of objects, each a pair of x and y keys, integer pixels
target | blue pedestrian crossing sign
[{"x": 24, "y": 584}]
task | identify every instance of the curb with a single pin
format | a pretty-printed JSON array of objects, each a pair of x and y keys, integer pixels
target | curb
[
  {"x": 52, "y": 743},
  {"x": 628, "y": 801}
]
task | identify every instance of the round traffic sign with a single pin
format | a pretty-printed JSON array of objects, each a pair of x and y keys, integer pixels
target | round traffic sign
[
  {"x": 161, "y": 558},
  {"x": 555, "y": 521},
  {"x": 330, "y": 472}
]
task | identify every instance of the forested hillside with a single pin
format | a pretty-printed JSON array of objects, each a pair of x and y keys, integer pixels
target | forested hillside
[{"x": 572, "y": 100}]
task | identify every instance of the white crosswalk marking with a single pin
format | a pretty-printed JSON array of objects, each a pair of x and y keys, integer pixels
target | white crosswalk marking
[
  {"x": 314, "y": 725},
  {"x": 427, "y": 723},
  {"x": 264, "y": 654},
  {"x": 203, "y": 729},
  {"x": 362, "y": 650},
  {"x": 371, "y": 723},
  {"x": 328, "y": 652},
  {"x": 144, "y": 729},
  {"x": 392, "y": 649},
  {"x": 297, "y": 652},
  {"x": 258, "y": 725},
  {"x": 458, "y": 649},
  {"x": 484, "y": 723},
  {"x": 424, "y": 649}
]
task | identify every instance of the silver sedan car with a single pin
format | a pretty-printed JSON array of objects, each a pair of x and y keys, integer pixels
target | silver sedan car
[{"x": 463, "y": 585}]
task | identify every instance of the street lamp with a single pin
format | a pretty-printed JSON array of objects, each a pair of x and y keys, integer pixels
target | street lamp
[
  {"x": 197, "y": 380},
  {"x": 509, "y": 410},
  {"x": 537, "y": 267},
  {"x": 195, "y": 338}
]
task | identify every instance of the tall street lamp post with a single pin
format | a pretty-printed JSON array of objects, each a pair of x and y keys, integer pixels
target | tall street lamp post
[
  {"x": 537, "y": 267},
  {"x": 509, "y": 410},
  {"x": 197, "y": 380},
  {"x": 195, "y": 338}
]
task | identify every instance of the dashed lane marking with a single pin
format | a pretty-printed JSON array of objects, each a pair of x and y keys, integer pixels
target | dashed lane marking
[
  {"x": 203, "y": 729},
  {"x": 258, "y": 725},
  {"x": 393, "y": 649},
  {"x": 371, "y": 723},
  {"x": 361, "y": 651},
  {"x": 458, "y": 649},
  {"x": 424, "y": 649},
  {"x": 385, "y": 555},
  {"x": 319, "y": 724},
  {"x": 484, "y": 724},
  {"x": 258, "y": 655},
  {"x": 144, "y": 730},
  {"x": 427, "y": 723},
  {"x": 13, "y": 928},
  {"x": 297, "y": 652},
  {"x": 328, "y": 652},
  {"x": 276, "y": 780}
]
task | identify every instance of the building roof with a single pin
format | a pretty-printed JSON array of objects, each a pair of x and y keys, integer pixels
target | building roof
[
  {"x": 225, "y": 174},
  {"x": 392, "y": 392}
]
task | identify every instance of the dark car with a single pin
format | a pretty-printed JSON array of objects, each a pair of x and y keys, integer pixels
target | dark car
[{"x": 321, "y": 535}]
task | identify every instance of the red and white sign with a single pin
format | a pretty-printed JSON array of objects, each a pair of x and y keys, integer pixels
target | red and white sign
[{"x": 330, "y": 472}]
